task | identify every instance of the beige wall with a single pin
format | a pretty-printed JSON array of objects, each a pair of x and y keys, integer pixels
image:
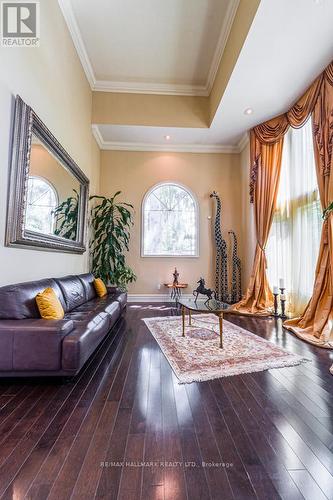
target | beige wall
[
  {"x": 135, "y": 172},
  {"x": 150, "y": 109},
  {"x": 51, "y": 80},
  {"x": 43, "y": 164},
  {"x": 248, "y": 239}
]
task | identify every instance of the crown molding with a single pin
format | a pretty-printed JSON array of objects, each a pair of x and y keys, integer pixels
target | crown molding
[
  {"x": 171, "y": 148},
  {"x": 67, "y": 11},
  {"x": 98, "y": 136},
  {"x": 150, "y": 88},
  {"x": 174, "y": 148},
  {"x": 243, "y": 142},
  {"x": 141, "y": 87},
  {"x": 221, "y": 44}
]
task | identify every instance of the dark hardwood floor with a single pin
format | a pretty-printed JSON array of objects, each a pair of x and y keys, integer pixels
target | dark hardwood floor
[{"x": 125, "y": 429}]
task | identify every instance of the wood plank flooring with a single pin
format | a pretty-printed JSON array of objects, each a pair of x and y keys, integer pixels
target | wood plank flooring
[{"x": 125, "y": 429}]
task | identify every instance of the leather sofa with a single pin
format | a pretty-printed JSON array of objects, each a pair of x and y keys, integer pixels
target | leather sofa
[{"x": 31, "y": 346}]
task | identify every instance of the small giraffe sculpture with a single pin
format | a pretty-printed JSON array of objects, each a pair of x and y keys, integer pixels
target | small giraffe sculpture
[
  {"x": 236, "y": 282},
  {"x": 221, "y": 271}
]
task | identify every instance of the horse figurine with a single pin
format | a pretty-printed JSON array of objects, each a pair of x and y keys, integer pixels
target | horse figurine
[{"x": 203, "y": 291}]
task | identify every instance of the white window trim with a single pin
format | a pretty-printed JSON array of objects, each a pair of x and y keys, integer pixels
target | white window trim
[
  {"x": 49, "y": 183},
  {"x": 197, "y": 220}
]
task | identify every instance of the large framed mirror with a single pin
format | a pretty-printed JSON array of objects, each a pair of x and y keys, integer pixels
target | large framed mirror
[{"x": 48, "y": 193}]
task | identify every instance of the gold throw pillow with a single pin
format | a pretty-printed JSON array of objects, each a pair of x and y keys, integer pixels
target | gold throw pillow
[
  {"x": 49, "y": 305},
  {"x": 100, "y": 287}
]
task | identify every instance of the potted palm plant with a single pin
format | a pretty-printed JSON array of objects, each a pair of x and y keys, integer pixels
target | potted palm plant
[
  {"x": 111, "y": 222},
  {"x": 66, "y": 217}
]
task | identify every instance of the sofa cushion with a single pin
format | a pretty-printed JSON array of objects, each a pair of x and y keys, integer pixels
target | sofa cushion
[
  {"x": 19, "y": 301},
  {"x": 73, "y": 291},
  {"x": 80, "y": 344},
  {"x": 120, "y": 297},
  {"x": 86, "y": 316},
  {"x": 104, "y": 304},
  {"x": 88, "y": 283}
]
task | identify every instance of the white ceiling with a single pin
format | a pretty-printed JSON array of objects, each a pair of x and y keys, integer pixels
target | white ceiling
[
  {"x": 290, "y": 42},
  {"x": 154, "y": 46}
]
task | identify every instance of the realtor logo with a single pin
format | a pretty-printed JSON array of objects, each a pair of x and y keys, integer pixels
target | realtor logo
[{"x": 20, "y": 24}]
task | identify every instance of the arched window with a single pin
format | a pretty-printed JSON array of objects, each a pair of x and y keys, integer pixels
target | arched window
[
  {"x": 41, "y": 201},
  {"x": 170, "y": 222}
]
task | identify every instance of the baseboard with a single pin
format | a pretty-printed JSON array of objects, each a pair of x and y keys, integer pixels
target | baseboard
[{"x": 156, "y": 297}]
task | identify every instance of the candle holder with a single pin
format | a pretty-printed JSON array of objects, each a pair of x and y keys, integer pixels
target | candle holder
[
  {"x": 283, "y": 309},
  {"x": 283, "y": 300},
  {"x": 283, "y": 304},
  {"x": 276, "y": 311}
]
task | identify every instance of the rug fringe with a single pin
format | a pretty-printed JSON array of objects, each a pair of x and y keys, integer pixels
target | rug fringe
[{"x": 189, "y": 379}]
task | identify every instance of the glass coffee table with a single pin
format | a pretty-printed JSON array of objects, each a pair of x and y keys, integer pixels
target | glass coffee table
[{"x": 202, "y": 306}]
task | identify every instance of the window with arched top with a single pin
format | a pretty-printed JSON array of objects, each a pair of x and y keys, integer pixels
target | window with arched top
[
  {"x": 42, "y": 199},
  {"x": 170, "y": 222}
]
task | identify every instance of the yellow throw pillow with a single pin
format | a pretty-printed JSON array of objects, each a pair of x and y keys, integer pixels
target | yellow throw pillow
[
  {"x": 100, "y": 287},
  {"x": 49, "y": 305}
]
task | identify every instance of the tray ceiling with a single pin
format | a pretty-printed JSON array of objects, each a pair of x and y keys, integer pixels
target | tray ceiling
[
  {"x": 270, "y": 74},
  {"x": 150, "y": 46}
]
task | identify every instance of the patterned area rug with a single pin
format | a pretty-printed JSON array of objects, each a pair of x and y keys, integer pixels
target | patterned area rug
[{"x": 197, "y": 357}]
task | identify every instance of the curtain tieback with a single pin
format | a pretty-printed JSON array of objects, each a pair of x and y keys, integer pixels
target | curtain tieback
[
  {"x": 264, "y": 254},
  {"x": 325, "y": 230},
  {"x": 327, "y": 213}
]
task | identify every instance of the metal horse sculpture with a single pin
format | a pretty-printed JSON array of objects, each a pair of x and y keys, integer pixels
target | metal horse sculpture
[
  {"x": 221, "y": 271},
  {"x": 236, "y": 282},
  {"x": 203, "y": 291}
]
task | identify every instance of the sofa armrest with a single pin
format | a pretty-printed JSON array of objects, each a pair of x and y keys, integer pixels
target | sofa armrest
[
  {"x": 32, "y": 344},
  {"x": 44, "y": 326}
]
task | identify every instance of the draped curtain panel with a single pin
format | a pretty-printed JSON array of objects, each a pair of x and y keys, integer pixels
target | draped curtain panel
[
  {"x": 265, "y": 156},
  {"x": 268, "y": 164}
]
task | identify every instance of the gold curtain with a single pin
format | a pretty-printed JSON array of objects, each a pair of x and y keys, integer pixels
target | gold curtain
[
  {"x": 266, "y": 145},
  {"x": 268, "y": 160},
  {"x": 316, "y": 323}
]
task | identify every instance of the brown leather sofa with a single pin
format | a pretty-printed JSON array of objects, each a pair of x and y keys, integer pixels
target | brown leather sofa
[{"x": 31, "y": 346}]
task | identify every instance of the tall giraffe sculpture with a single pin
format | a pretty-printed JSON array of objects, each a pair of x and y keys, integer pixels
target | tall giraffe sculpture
[
  {"x": 236, "y": 281},
  {"x": 221, "y": 271}
]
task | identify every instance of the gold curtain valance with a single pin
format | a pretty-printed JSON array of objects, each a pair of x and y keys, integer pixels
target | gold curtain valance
[
  {"x": 272, "y": 131},
  {"x": 329, "y": 73}
]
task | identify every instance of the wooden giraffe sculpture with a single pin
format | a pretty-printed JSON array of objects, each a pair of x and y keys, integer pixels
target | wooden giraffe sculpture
[
  {"x": 221, "y": 271},
  {"x": 236, "y": 283}
]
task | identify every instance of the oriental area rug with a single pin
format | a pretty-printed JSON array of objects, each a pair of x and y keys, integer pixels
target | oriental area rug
[{"x": 197, "y": 356}]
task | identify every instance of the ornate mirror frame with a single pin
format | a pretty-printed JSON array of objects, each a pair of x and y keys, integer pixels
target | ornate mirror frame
[{"x": 27, "y": 123}]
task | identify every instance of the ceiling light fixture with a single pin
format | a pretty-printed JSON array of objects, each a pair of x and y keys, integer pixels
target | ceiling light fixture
[
  {"x": 248, "y": 111},
  {"x": 167, "y": 137}
]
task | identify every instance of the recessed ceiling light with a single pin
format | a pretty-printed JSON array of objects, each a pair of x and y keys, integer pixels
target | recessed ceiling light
[
  {"x": 167, "y": 137},
  {"x": 248, "y": 111}
]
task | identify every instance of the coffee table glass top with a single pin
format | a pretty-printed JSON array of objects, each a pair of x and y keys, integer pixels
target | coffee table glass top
[{"x": 202, "y": 306}]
